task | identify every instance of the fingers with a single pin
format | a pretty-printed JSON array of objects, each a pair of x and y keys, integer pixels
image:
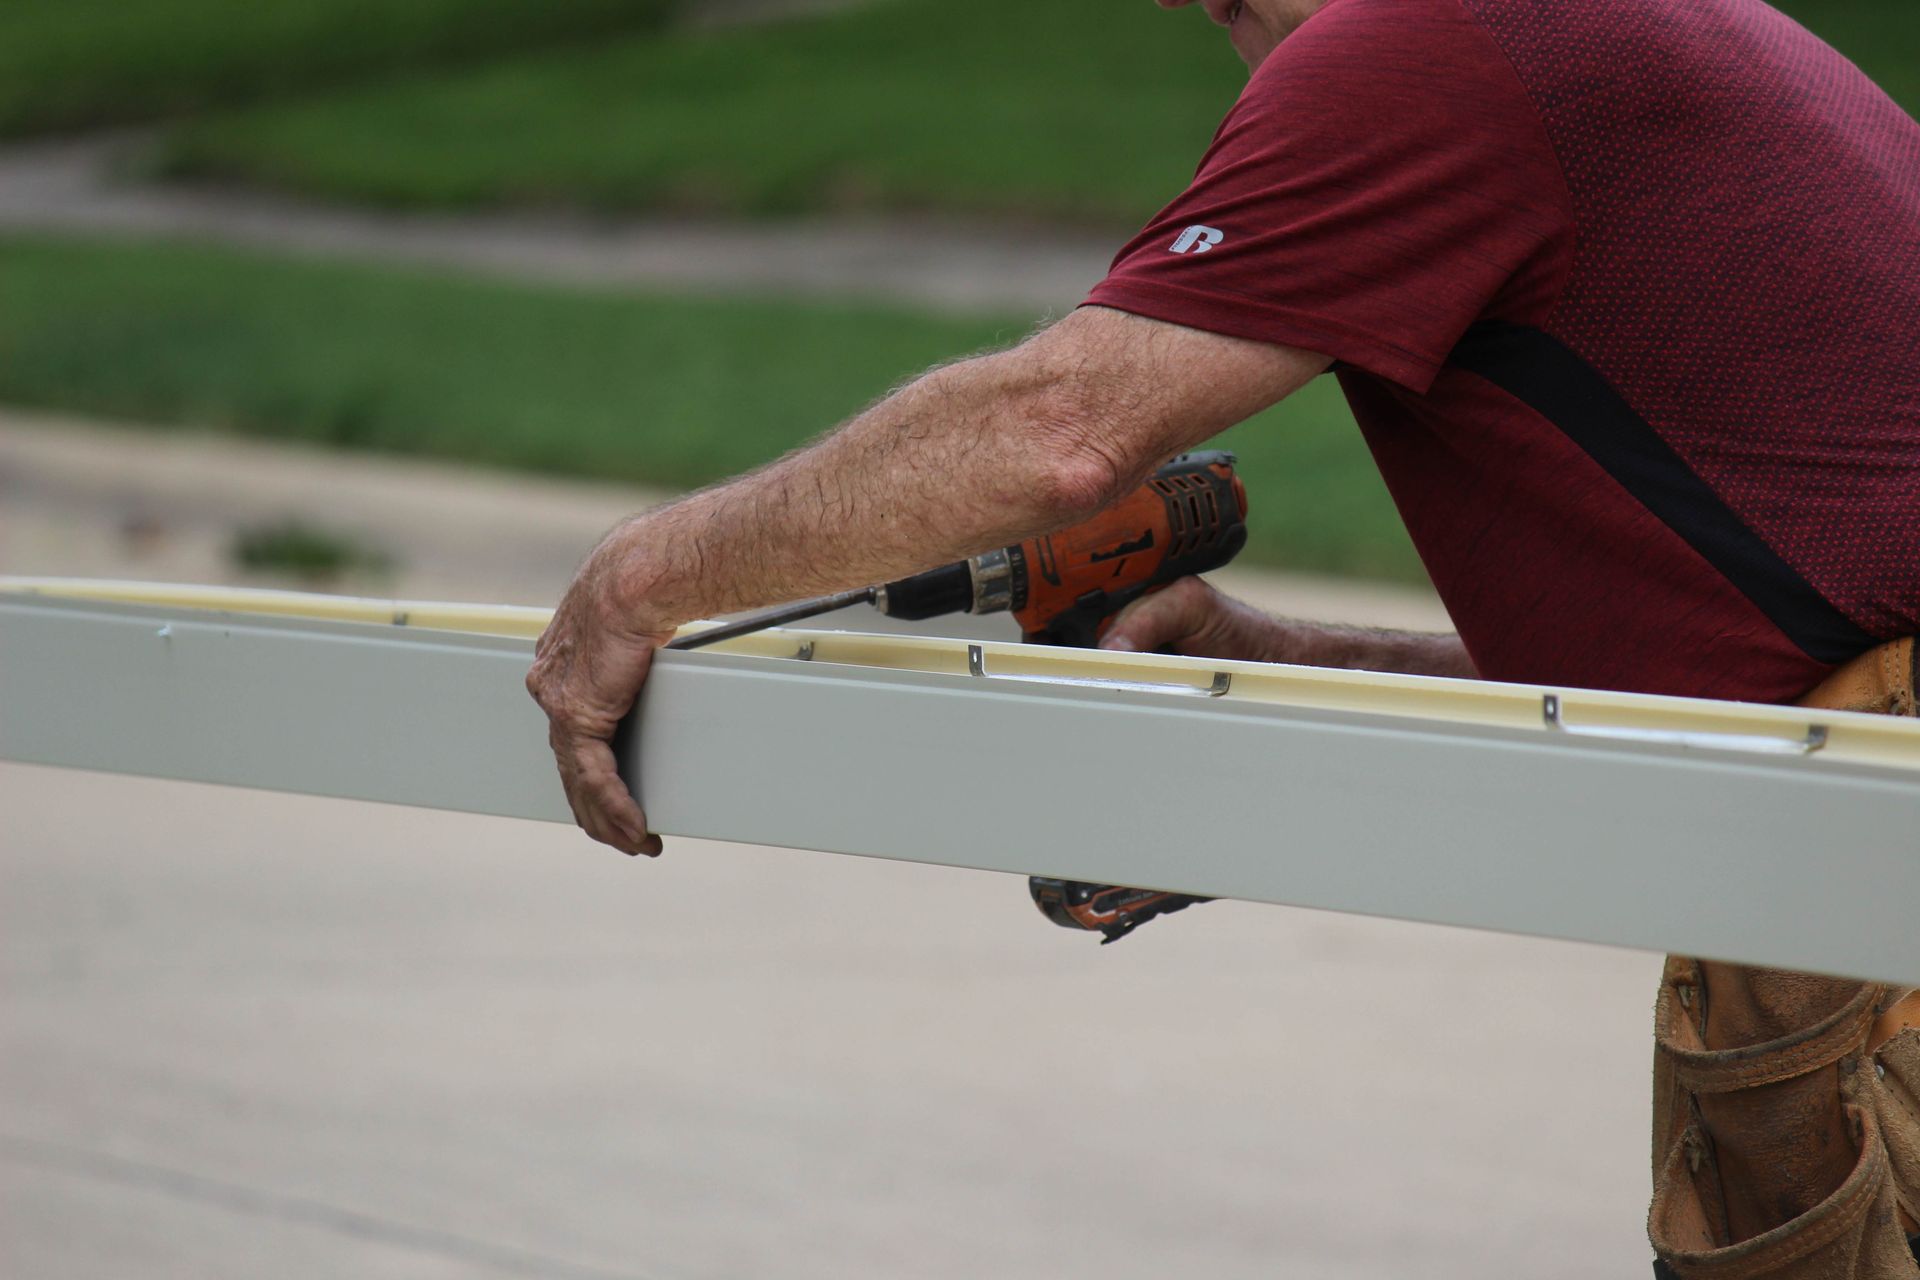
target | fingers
[
  {"x": 584, "y": 695},
  {"x": 601, "y": 803},
  {"x": 1166, "y": 620}
]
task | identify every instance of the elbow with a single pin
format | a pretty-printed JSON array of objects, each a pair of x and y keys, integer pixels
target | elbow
[
  {"x": 1075, "y": 484},
  {"x": 1085, "y": 436},
  {"x": 1086, "y": 456}
]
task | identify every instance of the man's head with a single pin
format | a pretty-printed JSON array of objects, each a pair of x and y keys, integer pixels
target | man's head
[{"x": 1256, "y": 27}]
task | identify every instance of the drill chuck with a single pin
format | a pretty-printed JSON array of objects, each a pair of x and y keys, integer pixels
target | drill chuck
[
  {"x": 999, "y": 580},
  {"x": 991, "y": 582},
  {"x": 933, "y": 594}
]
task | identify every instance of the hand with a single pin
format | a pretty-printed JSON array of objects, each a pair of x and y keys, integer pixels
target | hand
[
  {"x": 588, "y": 668},
  {"x": 1190, "y": 617}
]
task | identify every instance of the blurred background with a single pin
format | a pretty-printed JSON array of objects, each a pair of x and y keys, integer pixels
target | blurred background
[
  {"x": 418, "y": 297},
  {"x": 625, "y": 240}
]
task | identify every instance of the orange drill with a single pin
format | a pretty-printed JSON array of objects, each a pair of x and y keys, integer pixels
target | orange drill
[{"x": 1065, "y": 588}]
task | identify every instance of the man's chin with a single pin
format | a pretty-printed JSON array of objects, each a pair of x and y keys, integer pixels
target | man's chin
[{"x": 1252, "y": 47}]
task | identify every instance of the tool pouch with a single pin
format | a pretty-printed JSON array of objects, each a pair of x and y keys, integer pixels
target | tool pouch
[
  {"x": 1859, "y": 1062},
  {"x": 1880, "y": 680},
  {"x": 1868, "y": 1053}
]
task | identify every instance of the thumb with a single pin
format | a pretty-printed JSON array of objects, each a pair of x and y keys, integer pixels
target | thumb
[{"x": 1163, "y": 621}]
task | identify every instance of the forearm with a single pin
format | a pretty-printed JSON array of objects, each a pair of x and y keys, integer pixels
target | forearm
[
  {"x": 975, "y": 455},
  {"x": 1367, "y": 649},
  {"x": 960, "y": 460},
  {"x": 1193, "y": 618}
]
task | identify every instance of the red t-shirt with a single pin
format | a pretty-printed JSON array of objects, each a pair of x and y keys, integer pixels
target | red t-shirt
[{"x": 1625, "y": 295}]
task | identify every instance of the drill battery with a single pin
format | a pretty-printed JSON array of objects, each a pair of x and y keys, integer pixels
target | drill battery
[{"x": 1110, "y": 909}]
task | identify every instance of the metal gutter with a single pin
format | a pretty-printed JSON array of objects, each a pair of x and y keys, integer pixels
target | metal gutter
[{"x": 1763, "y": 834}]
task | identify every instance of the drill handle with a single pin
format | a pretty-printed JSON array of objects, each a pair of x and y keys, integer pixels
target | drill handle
[
  {"x": 1206, "y": 535},
  {"x": 1082, "y": 625}
]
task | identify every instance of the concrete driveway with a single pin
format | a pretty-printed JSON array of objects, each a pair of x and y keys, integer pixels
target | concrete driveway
[{"x": 245, "y": 1034}]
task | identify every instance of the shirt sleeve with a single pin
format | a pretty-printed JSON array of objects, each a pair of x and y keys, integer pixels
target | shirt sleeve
[{"x": 1383, "y": 182}]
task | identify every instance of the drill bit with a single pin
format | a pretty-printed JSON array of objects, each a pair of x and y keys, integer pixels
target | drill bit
[{"x": 774, "y": 618}]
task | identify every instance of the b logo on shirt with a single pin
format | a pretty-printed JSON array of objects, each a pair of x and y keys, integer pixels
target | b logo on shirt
[{"x": 1198, "y": 239}]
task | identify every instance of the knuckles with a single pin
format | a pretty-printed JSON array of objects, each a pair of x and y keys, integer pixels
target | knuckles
[{"x": 1190, "y": 593}]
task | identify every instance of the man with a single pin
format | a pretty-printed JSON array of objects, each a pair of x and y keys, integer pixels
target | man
[{"x": 1625, "y": 295}]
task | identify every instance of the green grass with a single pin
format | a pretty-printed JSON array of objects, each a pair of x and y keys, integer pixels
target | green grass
[
  {"x": 298, "y": 549},
  {"x": 1090, "y": 110},
  {"x": 70, "y": 63},
  {"x": 1882, "y": 36},
  {"x": 660, "y": 391}
]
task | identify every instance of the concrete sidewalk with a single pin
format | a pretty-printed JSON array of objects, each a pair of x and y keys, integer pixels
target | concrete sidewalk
[{"x": 244, "y": 1034}]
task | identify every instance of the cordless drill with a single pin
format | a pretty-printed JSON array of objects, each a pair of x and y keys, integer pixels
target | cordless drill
[{"x": 1065, "y": 589}]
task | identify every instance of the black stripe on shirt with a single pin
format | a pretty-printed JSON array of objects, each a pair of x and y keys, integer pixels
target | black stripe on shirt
[{"x": 1543, "y": 373}]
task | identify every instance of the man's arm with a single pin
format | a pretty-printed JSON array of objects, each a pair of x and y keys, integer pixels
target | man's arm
[
  {"x": 1191, "y": 617},
  {"x": 974, "y": 455}
]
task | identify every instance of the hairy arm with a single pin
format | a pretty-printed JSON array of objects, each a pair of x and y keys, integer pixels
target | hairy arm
[
  {"x": 1191, "y": 617},
  {"x": 970, "y": 456},
  {"x": 1417, "y": 653}
]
